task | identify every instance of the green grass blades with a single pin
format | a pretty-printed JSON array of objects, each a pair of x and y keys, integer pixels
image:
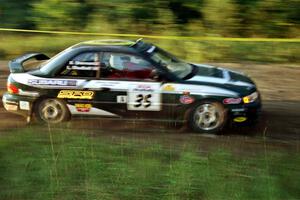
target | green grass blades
[{"x": 45, "y": 164}]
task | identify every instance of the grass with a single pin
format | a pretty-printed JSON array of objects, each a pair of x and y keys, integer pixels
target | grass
[
  {"x": 13, "y": 45},
  {"x": 38, "y": 164}
]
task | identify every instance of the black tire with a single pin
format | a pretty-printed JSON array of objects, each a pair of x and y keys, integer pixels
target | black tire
[
  {"x": 52, "y": 111},
  {"x": 208, "y": 117}
]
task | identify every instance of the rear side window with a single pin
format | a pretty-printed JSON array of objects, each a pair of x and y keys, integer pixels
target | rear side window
[{"x": 82, "y": 65}]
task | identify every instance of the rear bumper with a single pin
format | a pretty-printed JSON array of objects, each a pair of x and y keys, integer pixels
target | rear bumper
[{"x": 17, "y": 104}]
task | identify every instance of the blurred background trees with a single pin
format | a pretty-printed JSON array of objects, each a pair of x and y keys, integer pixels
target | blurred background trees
[
  {"x": 245, "y": 18},
  {"x": 226, "y": 18}
]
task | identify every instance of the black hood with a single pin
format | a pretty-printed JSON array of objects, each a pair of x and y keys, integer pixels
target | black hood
[{"x": 223, "y": 78}]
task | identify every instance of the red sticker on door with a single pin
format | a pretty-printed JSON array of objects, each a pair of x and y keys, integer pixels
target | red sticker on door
[
  {"x": 83, "y": 107},
  {"x": 185, "y": 99}
]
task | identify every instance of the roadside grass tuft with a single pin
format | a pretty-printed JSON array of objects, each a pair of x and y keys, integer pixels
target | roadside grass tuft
[{"x": 39, "y": 164}]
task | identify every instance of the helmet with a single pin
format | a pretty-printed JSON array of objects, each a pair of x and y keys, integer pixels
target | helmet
[{"x": 116, "y": 62}]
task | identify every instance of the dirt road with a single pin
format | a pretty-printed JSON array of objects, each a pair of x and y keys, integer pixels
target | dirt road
[{"x": 279, "y": 85}]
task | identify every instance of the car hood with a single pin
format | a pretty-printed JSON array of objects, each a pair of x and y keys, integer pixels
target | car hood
[{"x": 223, "y": 78}]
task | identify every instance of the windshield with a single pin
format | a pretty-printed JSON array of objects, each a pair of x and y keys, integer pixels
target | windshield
[{"x": 179, "y": 68}]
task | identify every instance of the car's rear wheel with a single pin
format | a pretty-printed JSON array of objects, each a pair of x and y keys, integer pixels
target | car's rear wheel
[
  {"x": 208, "y": 117},
  {"x": 52, "y": 111}
]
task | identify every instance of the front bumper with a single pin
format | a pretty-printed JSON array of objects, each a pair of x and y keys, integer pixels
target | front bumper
[
  {"x": 17, "y": 104},
  {"x": 245, "y": 112}
]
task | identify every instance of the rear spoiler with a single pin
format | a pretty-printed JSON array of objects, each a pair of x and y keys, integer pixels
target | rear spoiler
[{"x": 16, "y": 65}]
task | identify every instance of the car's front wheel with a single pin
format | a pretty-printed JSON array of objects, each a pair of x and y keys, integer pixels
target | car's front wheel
[
  {"x": 208, "y": 117},
  {"x": 52, "y": 111}
]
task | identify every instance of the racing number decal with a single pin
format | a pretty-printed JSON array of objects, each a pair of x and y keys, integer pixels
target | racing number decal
[
  {"x": 144, "y": 97},
  {"x": 143, "y": 100}
]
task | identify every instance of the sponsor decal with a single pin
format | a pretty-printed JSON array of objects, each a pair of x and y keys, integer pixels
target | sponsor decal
[
  {"x": 24, "y": 105},
  {"x": 92, "y": 111},
  {"x": 78, "y": 65},
  {"x": 169, "y": 88},
  {"x": 84, "y": 63},
  {"x": 240, "y": 119},
  {"x": 232, "y": 101},
  {"x": 74, "y": 73},
  {"x": 52, "y": 82},
  {"x": 121, "y": 99},
  {"x": 75, "y": 94},
  {"x": 81, "y": 107},
  {"x": 107, "y": 84},
  {"x": 185, "y": 99},
  {"x": 87, "y": 68},
  {"x": 238, "y": 110},
  {"x": 146, "y": 88}
]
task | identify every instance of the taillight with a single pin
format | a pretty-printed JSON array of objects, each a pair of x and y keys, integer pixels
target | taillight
[{"x": 12, "y": 88}]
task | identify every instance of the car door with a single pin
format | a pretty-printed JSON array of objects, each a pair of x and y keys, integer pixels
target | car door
[
  {"x": 127, "y": 88},
  {"x": 81, "y": 69}
]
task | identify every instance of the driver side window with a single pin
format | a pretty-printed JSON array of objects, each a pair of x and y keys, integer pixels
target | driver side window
[{"x": 125, "y": 66}]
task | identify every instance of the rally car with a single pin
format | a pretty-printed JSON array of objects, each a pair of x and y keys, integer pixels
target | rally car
[{"x": 130, "y": 80}]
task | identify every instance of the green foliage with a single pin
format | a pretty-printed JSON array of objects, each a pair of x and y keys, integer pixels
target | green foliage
[
  {"x": 227, "y": 18},
  {"x": 61, "y": 15},
  {"x": 219, "y": 17},
  {"x": 16, "y": 14},
  {"x": 39, "y": 164},
  {"x": 246, "y": 18}
]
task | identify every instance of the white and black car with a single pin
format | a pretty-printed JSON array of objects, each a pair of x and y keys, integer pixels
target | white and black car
[{"x": 126, "y": 79}]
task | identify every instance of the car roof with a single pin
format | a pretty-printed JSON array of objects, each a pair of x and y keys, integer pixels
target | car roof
[
  {"x": 118, "y": 46},
  {"x": 128, "y": 45},
  {"x": 109, "y": 42}
]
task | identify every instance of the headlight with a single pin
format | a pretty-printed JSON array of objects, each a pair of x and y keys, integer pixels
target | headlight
[{"x": 250, "y": 98}]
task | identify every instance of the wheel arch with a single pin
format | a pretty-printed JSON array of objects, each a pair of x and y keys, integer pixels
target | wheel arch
[
  {"x": 44, "y": 97},
  {"x": 188, "y": 116},
  {"x": 198, "y": 102}
]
